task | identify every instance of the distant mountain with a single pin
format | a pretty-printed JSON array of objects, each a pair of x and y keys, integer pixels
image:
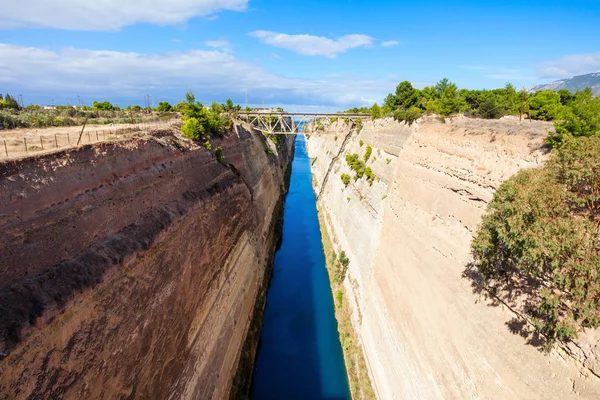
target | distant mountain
[{"x": 573, "y": 84}]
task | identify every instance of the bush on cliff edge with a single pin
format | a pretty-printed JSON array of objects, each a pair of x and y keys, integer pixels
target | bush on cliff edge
[{"x": 541, "y": 238}]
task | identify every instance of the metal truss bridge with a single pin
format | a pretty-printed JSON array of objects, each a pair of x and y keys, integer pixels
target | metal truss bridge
[{"x": 284, "y": 123}]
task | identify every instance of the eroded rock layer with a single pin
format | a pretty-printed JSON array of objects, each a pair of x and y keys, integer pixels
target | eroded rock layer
[
  {"x": 424, "y": 332},
  {"x": 131, "y": 269}
]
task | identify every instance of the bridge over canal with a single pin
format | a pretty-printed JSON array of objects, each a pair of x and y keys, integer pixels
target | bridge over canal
[{"x": 285, "y": 123}]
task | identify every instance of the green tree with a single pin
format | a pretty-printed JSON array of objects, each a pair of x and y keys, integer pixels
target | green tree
[
  {"x": 389, "y": 104},
  {"x": 210, "y": 119},
  {"x": 490, "y": 109},
  {"x": 216, "y": 107},
  {"x": 580, "y": 118},
  {"x": 164, "y": 106},
  {"x": 375, "y": 111},
  {"x": 192, "y": 129},
  {"x": 9, "y": 102},
  {"x": 103, "y": 106},
  {"x": 190, "y": 98},
  {"x": 406, "y": 96},
  {"x": 566, "y": 97},
  {"x": 441, "y": 86},
  {"x": 545, "y": 105},
  {"x": 449, "y": 100}
]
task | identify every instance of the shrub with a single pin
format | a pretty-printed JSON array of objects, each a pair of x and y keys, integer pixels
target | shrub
[
  {"x": 359, "y": 125},
  {"x": 104, "y": 105},
  {"x": 368, "y": 152},
  {"x": 490, "y": 109},
  {"x": 361, "y": 143},
  {"x": 409, "y": 116},
  {"x": 375, "y": 111},
  {"x": 219, "y": 153},
  {"x": 192, "y": 129},
  {"x": 345, "y": 179},
  {"x": 357, "y": 165},
  {"x": 370, "y": 176},
  {"x": 581, "y": 118},
  {"x": 341, "y": 267},
  {"x": 164, "y": 106},
  {"x": 540, "y": 234},
  {"x": 545, "y": 105},
  {"x": 212, "y": 122},
  {"x": 339, "y": 297}
]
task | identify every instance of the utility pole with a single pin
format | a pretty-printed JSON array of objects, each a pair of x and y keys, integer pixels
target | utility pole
[
  {"x": 524, "y": 100},
  {"x": 522, "y": 105}
]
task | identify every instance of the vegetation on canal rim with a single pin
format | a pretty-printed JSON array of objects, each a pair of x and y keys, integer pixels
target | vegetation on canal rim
[
  {"x": 14, "y": 114},
  {"x": 356, "y": 367},
  {"x": 541, "y": 233},
  {"x": 203, "y": 124},
  {"x": 408, "y": 104}
]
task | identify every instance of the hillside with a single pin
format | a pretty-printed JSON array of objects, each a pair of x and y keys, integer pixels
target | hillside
[{"x": 573, "y": 84}]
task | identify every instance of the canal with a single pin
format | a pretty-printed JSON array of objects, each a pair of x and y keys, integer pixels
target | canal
[{"x": 300, "y": 356}]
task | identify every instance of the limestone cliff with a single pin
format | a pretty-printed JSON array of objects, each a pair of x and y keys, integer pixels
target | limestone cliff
[
  {"x": 424, "y": 332},
  {"x": 131, "y": 269}
]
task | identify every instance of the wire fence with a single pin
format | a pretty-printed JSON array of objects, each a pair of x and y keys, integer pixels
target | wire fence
[{"x": 25, "y": 143}]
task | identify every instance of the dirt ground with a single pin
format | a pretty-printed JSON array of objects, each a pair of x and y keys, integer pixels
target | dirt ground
[{"x": 18, "y": 143}]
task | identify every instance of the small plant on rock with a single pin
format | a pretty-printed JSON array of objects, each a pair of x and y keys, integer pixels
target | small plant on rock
[{"x": 345, "y": 179}]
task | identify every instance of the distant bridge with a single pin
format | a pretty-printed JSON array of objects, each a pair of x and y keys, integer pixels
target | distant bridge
[{"x": 284, "y": 123}]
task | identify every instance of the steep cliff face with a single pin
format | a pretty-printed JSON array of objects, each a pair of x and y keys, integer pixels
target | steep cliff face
[
  {"x": 424, "y": 333},
  {"x": 132, "y": 269}
]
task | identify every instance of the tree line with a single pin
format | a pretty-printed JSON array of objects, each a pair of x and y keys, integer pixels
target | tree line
[{"x": 408, "y": 103}]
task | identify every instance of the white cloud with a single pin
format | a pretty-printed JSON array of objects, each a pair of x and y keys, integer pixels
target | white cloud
[
  {"x": 310, "y": 45},
  {"x": 390, "y": 43},
  {"x": 219, "y": 44},
  {"x": 571, "y": 65},
  {"x": 213, "y": 75},
  {"x": 108, "y": 15}
]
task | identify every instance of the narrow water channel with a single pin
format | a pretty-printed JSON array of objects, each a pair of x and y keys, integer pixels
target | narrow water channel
[{"x": 300, "y": 356}]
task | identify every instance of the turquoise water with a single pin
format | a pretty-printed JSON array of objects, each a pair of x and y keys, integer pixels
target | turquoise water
[{"x": 300, "y": 356}]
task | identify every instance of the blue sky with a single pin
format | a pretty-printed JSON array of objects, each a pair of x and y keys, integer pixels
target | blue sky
[{"x": 300, "y": 55}]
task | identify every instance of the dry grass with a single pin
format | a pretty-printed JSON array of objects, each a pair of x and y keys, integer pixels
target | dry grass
[{"x": 19, "y": 143}]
